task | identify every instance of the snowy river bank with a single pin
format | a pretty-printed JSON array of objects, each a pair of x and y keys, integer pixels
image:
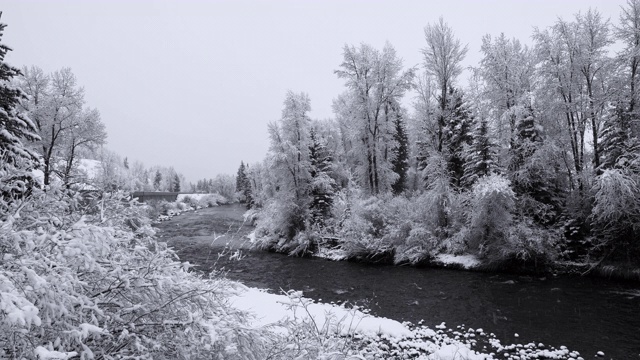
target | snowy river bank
[{"x": 584, "y": 314}]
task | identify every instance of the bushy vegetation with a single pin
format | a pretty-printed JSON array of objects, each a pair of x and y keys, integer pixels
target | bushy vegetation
[{"x": 87, "y": 278}]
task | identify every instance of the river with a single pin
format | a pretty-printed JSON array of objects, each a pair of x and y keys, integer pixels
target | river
[{"x": 584, "y": 314}]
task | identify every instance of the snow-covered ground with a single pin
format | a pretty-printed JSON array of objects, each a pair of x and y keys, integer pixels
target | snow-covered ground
[{"x": 383, "y": 338}]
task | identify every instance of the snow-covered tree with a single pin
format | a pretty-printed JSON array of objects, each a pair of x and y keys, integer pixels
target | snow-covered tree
[
  {"x": 55, "y": 103},
  {"x": 88, "y": 132},
  {"x": 628, "y": 32},
  {"x": 507, "y": 69},
  {"x": 491, "y": 213},
  {"x": 16, "y": 159},
  {"x": 619, "y": 147},
  {"x": 456, "y": 135},
  {"x": 157, "y": 180},
  {"x": 376, "y": 84},
  {"x": 616, "y": 213},
  {"x": 400, "y": 160},
  {"x": 176, "y": 183},
  {"x": 243, "y": 185},
  {"x": 442, "y": 57},
  {"x": 289, "y": 148},
  {"x": 575, "y": 77},
  {"x": 322, "y": 185},
  {"x": 289, "y": 163},
  {"x": 480, "y": 156}
]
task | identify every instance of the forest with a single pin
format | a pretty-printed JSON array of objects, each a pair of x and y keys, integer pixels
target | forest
[{"x": 534, "y": 161}]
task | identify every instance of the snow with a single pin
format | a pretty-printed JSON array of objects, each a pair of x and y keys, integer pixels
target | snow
[
  {"x": 43, "y": 353},
  {"x": 466, "y": 261},
  {"x": 333, "y": 254},
  {"x": 39, "y": 175},
  {"x": 383, "y": 338},
  {"x": 270, "y": 309},
  {"x": 252, "y": 237},
  {"x": 457, "y": 352},
  {"x": 90, "y": 167},
  {"x": 196, "y": 197}
]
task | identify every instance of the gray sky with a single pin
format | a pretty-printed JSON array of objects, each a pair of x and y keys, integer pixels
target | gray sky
[{"x": 193, "y": 84}]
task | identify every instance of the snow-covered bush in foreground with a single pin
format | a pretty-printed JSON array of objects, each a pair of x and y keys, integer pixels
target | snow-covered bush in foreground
[{"x": 99, "y": 286}]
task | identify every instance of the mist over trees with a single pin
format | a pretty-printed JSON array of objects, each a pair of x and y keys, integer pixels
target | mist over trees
[{"x": 534, "y": 160}]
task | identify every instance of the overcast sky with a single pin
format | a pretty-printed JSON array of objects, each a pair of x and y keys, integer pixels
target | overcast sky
[{"x": 193, "y": 84}]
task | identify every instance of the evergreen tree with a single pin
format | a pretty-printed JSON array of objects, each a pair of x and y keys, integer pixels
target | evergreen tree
[
  {"x": 480, "y": 158},
  {"x": 322, "y": 184},
  {"x": 157, "y": 180},
  {"x": 618, "y": 146},
  {"x": 448, "y": 140},
  {"x": 176, "y": 183},
  {"x": 400, "y": 162},
  {"x": 247, "y": 191},
  {"x": 457, "y": 135},
  {"x": 240, "y": 178},
  {"x": 16, "y": 160},
  {"x": 535, "y": 177},
  {"x": 126, "y": 163},
  {"x": 243, "y": 185}
]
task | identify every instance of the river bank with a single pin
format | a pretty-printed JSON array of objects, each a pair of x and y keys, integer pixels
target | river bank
[{"x": 587, "y": 314}]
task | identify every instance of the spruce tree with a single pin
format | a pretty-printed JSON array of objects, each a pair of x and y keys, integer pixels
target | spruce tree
[
  {"x": 457, "y": 134},
  {"x": 618, "y": 146},
  {"x": 16, "y": 160},
  {"x": 247, "y": 191},
  {"x": 157, "y": 180},
  {"x": 322, "y": 184},
  {"x": 400, "y": 162},
  {"x": 534, "y": 178},
  {"x": 480, "y": 158},
  {"x": 243, "y": 185},
  {"x": 240, "y": 177},
  {"x": 176, "y": 183}
]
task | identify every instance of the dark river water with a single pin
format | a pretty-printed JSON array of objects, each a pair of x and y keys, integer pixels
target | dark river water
[{"x": 584, "y": 314}]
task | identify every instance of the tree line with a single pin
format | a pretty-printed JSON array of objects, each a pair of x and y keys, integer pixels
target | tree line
[{"x": 537, "y": 157}]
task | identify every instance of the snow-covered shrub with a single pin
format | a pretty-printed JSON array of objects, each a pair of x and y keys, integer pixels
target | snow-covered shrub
[
  {"x": 189, "y": 201},
  {"x": 310, "y": 336},
  {"x": 527, "y": 243},
  {"x": 166, "y": 207},
  {"x": 99, "y": 286},
  {"x": 436, "y": 219},
  {"x": 251, "y": 216},
  {"x": 279, "y": 225},
  {"x": 212, "y": 200},
  {"x": 616, "y": 212},
  {"x": 491, "y": 215},
  {"x": 363, "y": 233}
]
